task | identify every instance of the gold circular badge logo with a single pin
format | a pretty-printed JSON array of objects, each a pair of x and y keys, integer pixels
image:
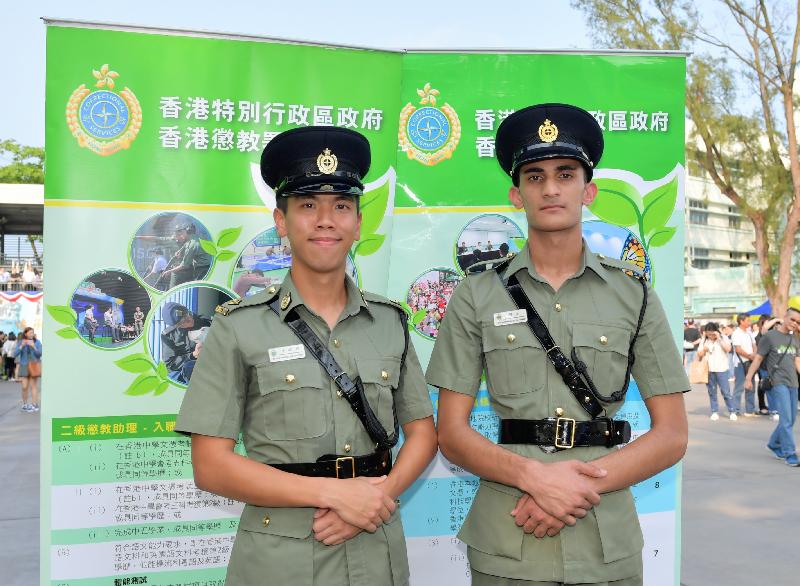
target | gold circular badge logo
[
  {"x": 548, "y": 131},
  {"x": 327, "y": 162}
]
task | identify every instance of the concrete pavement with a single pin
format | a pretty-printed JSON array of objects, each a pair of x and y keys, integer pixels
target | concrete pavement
[{"x": 740, "y": 505}]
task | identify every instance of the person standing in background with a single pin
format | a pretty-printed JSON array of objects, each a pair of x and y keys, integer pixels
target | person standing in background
[
  {"x": 28, "y": 352},
  {"x": 717, "y": 347},
  {"x": 744, "y": 347}
]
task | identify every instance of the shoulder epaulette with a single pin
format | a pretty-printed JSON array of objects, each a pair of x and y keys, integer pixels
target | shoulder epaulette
[
  {"x": 260, "y": 298},
  {"x": 493, "y": 264},
  {"x": 626, "y": 267},
  {"x": 375, "y": 298}
]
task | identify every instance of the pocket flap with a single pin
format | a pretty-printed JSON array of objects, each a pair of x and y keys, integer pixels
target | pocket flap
[
  {"x": 617, "y": 510},
  {"x": 289, "y": 375},
  {"x": 282, "y": 521},
  {"x": 489, "y": 527},
  {"x": 508, "y": 337},
  {"x": 606, "y": 338},
  {"x": 381, "y": 371}
]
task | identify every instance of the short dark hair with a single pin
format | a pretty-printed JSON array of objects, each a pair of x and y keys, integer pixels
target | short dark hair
[
  {"x": 742, "y": 317},
  {"x": 711, "y": 327},
  {"x": 504, "y": 249},
  {"x": 282, "y": 203}
]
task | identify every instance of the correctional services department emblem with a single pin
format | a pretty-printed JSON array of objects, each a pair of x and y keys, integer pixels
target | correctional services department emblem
[
  {"x": 104, "y": 121},
  {"x": 429, "y": 134}
]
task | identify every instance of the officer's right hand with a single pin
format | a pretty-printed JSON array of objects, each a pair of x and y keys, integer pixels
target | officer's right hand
[
  {"x": 361, "y": 502},
  {"x": 562, "y": 489}
]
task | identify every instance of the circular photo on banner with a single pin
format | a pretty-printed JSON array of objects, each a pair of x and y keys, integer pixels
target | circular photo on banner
[
  {"x": 179, "y": 327},
  {"x": 616, "y": 242},
  {"x": 111, "y": 306},
  {"x": 165, "y": 251},
  {"x": 428, "y": 297},
  {"x": 487, "y": 237},
  {"x": 265, "y": 261}
]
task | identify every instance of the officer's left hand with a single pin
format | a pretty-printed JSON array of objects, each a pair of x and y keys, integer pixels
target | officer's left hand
[
  {"x": 532, "y": 518},
  {"x": 330, "y": 529}
]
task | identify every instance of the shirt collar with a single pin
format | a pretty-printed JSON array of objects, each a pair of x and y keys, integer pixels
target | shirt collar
[
  {"x": 589, "y": 259},
  {"x": 289, "y": 292}
]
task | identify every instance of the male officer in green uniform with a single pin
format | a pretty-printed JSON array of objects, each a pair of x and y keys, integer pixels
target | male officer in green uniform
[
  {"x": 318, "y": 417},
  {"x": 554, "y": 505}
]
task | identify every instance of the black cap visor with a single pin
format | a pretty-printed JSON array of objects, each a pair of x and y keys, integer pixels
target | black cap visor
[
  {"x": 342, "y": 182},
  {"x": 551, "y": 150}
]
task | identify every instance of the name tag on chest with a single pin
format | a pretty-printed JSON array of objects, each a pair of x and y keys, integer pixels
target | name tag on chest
[
  {"x": 287, "y": 353},
  {"x": 506, "y": 318}
]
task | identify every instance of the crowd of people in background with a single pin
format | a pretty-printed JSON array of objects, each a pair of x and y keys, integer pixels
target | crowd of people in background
[
  {"x": 754, "y": 367},
  {"x": 20, "y": 277},
  {"x": 22, "y": 362}
]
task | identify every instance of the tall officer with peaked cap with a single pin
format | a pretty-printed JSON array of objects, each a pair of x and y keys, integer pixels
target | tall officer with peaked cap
[
  {"x": 321, "y": 508},
  {"x": 554, "y": 505}
]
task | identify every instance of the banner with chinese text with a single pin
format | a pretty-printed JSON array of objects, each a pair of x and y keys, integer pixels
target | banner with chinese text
[{"x": 141, "y": 141}]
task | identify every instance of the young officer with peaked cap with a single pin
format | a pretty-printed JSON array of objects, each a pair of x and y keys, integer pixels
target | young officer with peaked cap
[
  {"x": 321, "y": 497},
  {"x": 554, "y": 505}
]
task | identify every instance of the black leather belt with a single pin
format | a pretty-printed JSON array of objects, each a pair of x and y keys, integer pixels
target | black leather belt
[
  {"x": 564, "y": 432},
  {"x": 334, "y": 466}
]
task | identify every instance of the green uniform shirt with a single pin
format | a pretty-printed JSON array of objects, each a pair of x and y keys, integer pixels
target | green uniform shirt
[
  {"x": 289, "y": 411},
  {"x": 195, "y": 262},
  {"x": 596, "y": 312}
]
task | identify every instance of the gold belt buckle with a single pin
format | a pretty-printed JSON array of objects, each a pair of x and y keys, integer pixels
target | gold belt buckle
[
  {"x": 352, "y": 465},
  {"x": 565, "y": 444}
]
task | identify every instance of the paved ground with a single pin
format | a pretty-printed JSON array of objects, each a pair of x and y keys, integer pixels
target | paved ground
[{"x": 740, "y": 511}]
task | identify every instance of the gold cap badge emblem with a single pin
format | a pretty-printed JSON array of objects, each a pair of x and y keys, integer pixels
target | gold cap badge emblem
[
  {"x": 287, "y": 299},
  {"x": 548, "y": 131},
  {"x": 327, "y": 162}
]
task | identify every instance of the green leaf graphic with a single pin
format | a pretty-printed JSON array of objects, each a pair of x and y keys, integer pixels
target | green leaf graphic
[
  {"x": 63, "y": 314},
  {"x": 369, "y": 244},
  {"x": 228, "y": 236},
  {"x": 373, "y": 207},
  {"x": 208, "y": 246},
  {"x": 406, "y": 307},
  {"x": 659, "y": 205},
  {"x": 661, "y": 237},
  {"x": 162, "y": 387},
  {"x": 68, "y": 333},
  {"x": 617, "y": 202},
  {"x": 225, "y": 255},
  {"x": 143, "y": 384},
  {"x": 417, "y": 318},
  {"x": 136, "y": 363},
  {"x": 161, "y": 371},
  {"x": 520, "y": 242}
]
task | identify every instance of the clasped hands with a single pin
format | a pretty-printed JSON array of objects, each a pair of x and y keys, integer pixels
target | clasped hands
[
  {"x": 356, "y": 505},
  {"x": 556, "y": 494}
]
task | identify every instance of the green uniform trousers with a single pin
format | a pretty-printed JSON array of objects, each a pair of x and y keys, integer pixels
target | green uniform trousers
[{"x": 479, "y": 579}]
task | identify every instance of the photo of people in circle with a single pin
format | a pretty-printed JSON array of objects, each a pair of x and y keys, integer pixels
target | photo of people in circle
[
  {"x": 180, "y": 324},
  {"x": 265, "y": 261},
  {"x": 111, "y": 307},
  {"x": 617, "y": 242},
  {"x": 487, "y": 237},
  {"x": 166, "y": 251},
  {"x": 431, "y": 292}
]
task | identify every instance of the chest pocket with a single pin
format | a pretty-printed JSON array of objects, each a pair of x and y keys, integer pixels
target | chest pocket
[
  {"x": 294, "y": 393},
  {"x": 380, "y": 377},
  {"x": 515, "y": 361},
  {"x": 604, "y": 349}
]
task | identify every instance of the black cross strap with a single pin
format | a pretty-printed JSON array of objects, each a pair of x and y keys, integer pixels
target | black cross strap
[
  {"x": 569, "y": 374},
  {"x": 351, "y": 390}
]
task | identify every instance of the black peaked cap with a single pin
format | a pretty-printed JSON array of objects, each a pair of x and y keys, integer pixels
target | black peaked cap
[
  {"x": 316, "y": 159},
  {"x": 549, "y": 131}
]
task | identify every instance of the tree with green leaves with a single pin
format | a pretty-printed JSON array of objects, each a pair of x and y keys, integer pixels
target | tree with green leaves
[
  {"x": 749, "y": 152},
  {"x": 26, "y": 164}
]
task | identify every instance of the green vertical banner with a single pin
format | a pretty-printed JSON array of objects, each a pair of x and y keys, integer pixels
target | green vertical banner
[
  {"x": 452, "y": 210},
  {"x": 147, "y": 133},
  {"x": 153, "y": 143}
]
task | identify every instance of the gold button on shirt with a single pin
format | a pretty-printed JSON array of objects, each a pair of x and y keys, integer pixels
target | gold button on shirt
[
  {"x": 290, "y": 411},
  {"x": 603, "y": 308}
]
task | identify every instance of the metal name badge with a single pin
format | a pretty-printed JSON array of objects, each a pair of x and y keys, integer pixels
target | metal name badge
[
  {"x": 287, "y": 353},
  {"x": 506, "y": 318}
]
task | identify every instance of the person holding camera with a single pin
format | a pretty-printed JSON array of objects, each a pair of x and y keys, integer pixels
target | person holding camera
[
  {"x": 778, "y": 349},
  {"x": 717, "y": 346}
]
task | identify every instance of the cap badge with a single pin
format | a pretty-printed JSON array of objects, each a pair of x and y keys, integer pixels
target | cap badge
[
  {"x": 327, "y": 162},
  {"x": 548, "y": 131},
  {"x": 287, "y": 299}
]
